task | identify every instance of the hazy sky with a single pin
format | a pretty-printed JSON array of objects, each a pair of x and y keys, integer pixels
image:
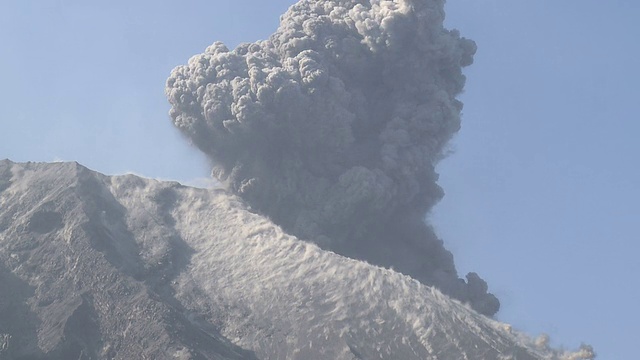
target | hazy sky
[{"x": 541, "y": 187}]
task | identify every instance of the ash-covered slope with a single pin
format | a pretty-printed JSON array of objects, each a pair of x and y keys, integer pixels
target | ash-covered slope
[{"x": 98, "y": 267}]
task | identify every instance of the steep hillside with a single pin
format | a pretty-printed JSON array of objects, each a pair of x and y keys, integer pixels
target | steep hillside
[{"x": 99, "y": 267}]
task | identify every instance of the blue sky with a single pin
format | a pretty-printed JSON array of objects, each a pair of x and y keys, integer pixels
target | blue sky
[{"x": 541, "y": 186}]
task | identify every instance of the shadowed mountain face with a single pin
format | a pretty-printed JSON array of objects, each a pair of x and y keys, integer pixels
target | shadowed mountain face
[
  {"x": 80, "y": 281},
  {"x": 98, "y": 267}
]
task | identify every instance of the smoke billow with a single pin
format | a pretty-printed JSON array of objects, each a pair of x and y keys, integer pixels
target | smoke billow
[{"x": 333, "y": 127}]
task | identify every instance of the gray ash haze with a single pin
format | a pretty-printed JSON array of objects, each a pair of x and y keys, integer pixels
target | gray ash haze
[{"x": 334, "y": 125}]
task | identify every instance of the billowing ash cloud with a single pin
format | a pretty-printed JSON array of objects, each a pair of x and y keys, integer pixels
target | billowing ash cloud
[{"x": 333, "y": 126}]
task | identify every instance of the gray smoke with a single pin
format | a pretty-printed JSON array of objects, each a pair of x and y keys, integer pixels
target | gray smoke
[{"x": 334, "y": 125}]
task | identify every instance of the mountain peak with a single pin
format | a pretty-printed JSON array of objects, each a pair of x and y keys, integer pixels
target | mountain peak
[{"x": 122, "y": 267}]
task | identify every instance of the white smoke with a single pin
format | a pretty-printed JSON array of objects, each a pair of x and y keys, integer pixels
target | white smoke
[{"x": 334, "y": 125}]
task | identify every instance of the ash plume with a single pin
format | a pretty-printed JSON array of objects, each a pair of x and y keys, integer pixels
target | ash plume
[{"x": 333, "y": 126}]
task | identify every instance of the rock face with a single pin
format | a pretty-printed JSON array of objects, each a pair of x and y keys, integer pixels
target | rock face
[{"x": 98, "y": 267}]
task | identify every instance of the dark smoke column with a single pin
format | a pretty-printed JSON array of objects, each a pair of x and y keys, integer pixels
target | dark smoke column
[{"x": 334, "y": 125}]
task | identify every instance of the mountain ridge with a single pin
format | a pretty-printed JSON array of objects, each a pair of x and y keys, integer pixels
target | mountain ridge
[{"x": 120, "y": 267}]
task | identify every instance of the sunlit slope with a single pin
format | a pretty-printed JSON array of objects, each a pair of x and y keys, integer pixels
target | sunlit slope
[{"x": 98, "y": 267}]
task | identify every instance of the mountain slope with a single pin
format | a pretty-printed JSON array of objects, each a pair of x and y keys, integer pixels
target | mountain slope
[{"x": 98, "y": 267}]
